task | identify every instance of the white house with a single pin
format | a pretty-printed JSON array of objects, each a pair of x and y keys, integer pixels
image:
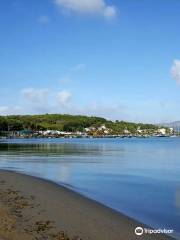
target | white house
[
  {"x": 90, "y": 129},
  {"x": 162, "y": 131},
  {"x": 171, "y": 130},
  {"x": 126, "y": 131},
  {"x": 139, "y": 130}
]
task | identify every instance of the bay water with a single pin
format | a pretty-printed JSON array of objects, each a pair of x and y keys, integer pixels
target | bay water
[{"x": 138, "y": 177}]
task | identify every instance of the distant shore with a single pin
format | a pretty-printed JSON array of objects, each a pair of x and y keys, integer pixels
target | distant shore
[
  {"x": 32, "y": 208},
  {"x": 81, "y": 137}
]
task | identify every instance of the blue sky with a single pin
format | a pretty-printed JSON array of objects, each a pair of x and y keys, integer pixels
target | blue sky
[{"x": 119, "y": 59}]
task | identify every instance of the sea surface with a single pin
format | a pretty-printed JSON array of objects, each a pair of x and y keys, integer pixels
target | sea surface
[{"x": 138, "y": 177}]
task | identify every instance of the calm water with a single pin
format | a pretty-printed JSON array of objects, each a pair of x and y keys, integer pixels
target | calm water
[{"x": 139, "y": 177}]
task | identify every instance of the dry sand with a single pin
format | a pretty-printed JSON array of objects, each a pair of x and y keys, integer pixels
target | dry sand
[{"x": 35, "y": 209}]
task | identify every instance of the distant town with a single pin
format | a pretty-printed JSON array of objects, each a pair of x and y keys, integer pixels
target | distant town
[
  {"x": 70, "y": 126},
  {"x": 101, "y": 131}
]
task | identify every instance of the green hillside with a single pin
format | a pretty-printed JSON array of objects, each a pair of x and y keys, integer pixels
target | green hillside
[{"x": 66, "y": 123}]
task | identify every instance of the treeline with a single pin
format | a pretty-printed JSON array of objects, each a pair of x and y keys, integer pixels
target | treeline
[
  {"x": 66, "y": 123},
  {"x": 120, "y": 126},
  {"x": 48, "y": 121}
]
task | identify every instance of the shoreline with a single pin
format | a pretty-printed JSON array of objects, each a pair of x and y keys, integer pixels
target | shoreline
[
  {"x": 89, "y": 137},
  {"x": 63, "y": 209}
]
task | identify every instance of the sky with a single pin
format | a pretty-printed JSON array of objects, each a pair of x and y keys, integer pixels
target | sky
[{"x": 119, "y": 59}]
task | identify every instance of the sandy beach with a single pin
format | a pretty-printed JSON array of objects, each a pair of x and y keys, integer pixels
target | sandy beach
[{"x": 32, "y": 208}]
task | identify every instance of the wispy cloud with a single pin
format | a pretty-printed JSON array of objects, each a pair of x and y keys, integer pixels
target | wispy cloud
[
  {"x": 175, "y": 71},
  {"x": 71, "y": 73},
  {"x": 64, "y": 97},
  {"x": 65, "y": 80},
  {"x": 6, "y": 110},
  {"x": 96, "y": 7},
  {"x": 36, "y": 96},
  {"x": 113, "y": 111},
  {"x": 78, "y": 67},
  {"x": 42, "y": 100},
  {"x": 43, "y": 19}
]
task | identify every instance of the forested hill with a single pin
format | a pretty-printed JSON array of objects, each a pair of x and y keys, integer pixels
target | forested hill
[{"x": 64, "y": 123}]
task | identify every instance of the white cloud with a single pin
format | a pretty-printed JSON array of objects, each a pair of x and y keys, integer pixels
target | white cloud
[
  {"x": 36, "y": 96},
  {"x": 110, "y": 11},
  {"x": 64, "y": 97},
  {"x": 43, "y": 19},
  {"x": 40, "y": 101},
  {"x": 98, "y": 7},
  {"x": 175, "y": 71},
  {"x": 78, "y": 67}
]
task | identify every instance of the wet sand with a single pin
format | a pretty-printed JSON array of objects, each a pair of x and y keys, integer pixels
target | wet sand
[{"x": 36, "y": 209}]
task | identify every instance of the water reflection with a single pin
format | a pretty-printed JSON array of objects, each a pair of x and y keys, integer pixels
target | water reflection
[
  {"x": 56, "y": 149},
  {"x": 177, "y": 200}
]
